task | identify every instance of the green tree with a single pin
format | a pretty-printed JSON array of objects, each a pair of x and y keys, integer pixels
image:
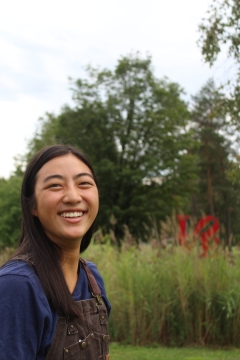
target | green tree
[
  {"x": 221, "y": 28},
  {"x": 10, "y": 210},
  {"x": 218, "y": 194},
  {"x": 133, "y": 126},
  {"x": 220, "y": 31}
]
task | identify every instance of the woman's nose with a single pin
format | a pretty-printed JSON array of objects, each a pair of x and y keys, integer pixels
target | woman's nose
[{"x": 72, "y": 195}]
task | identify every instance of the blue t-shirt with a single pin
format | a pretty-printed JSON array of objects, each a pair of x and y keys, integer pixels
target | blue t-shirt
[{"x": 27, "y": 322}]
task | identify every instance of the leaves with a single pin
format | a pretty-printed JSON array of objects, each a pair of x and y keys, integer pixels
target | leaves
[
  {"x": 221, "y": 27},
  {"x": 220, "y": 32},
  {"x": 10, "y": 211}
]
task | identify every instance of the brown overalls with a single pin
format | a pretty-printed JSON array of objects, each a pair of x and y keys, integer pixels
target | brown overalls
[
  {"x": 82, "y": 339},
  {"x": 86, "y": 339}
]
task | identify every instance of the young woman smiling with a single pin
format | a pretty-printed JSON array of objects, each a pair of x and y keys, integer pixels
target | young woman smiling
[{"x": 53, "y": 304}]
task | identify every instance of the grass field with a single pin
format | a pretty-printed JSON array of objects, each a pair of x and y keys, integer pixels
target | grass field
[
  {"x": 120, "y": 352},
  {"x": 171, "y": 297}
]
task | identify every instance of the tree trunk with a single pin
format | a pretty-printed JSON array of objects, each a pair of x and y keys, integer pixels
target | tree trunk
[
  {"x": 209, "y": 184},
  {"x": 210, "y": 198}
]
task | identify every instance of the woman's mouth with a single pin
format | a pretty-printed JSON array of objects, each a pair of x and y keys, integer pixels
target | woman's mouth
[{"x": 72, "y": 214}]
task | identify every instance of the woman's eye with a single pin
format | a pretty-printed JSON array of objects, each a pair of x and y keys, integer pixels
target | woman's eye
[
  {"x": 85, "y": 183},
  {"x": 54, "y": 185}
]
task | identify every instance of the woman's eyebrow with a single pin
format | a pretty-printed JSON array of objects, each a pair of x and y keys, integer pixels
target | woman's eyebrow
[
  {"x": 56, "y": 176},
  {"x": 83, "y": 174}
]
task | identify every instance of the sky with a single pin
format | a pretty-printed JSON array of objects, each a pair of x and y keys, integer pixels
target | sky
[{"x": 44, "y": 43}]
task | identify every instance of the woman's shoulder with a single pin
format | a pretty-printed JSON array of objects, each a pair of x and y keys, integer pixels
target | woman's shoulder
[
  {"x": 20, "y": 270},
  {"x": 16, "y": 267},
  {"x": 19, "y": 277},
  {"x": 24, "y": 305}
]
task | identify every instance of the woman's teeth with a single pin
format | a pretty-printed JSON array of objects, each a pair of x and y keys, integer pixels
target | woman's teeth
[{"x": 71, "y": 214}]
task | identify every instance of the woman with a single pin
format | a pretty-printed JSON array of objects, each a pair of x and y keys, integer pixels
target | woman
[{"x": 54, "y": 306}]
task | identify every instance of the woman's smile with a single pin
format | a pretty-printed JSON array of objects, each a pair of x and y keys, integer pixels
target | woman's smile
[{"x": 72, "y": 214}]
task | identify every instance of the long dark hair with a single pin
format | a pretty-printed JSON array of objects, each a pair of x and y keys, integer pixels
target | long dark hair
[{"x": 45, "y": 254}]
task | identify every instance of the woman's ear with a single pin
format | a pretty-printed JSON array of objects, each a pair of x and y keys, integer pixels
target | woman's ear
[{"x": 34, "y": 210}]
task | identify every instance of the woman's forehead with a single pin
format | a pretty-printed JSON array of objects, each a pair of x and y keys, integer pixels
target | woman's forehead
[{"x": 68, "y": 164}]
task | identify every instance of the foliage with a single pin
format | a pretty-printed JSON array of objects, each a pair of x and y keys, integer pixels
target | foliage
[
  {"x": 133, "y": 126},
  {"x": 221, "y": 28},
  {"x": 220, "y": 32},
  {"x": 10, "y": 210}
]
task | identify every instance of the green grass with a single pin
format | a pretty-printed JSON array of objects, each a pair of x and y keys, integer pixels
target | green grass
[
  {"x": 170, "y": 297},
  {"x": 120, "y": 352}
]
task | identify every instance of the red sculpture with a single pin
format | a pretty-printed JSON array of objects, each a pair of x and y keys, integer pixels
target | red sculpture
[{"x": 206, "y": 229}]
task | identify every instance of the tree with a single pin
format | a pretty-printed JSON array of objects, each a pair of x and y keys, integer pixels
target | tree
[
  {"x": 10, "y": 210},
  {"x": 217, "y": 195},
  {"x": 134, "y": 128},
  {"x": 221, "y": 30}
]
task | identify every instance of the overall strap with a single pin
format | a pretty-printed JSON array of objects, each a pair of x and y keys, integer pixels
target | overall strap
[{"x": 94, "y": 288}]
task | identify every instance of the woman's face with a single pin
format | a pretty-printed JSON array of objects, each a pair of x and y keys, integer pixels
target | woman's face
[{"x": 66, "y": 200}]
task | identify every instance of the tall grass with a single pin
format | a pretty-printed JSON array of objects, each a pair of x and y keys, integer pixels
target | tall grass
[{"x": 170, "y": 297}]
